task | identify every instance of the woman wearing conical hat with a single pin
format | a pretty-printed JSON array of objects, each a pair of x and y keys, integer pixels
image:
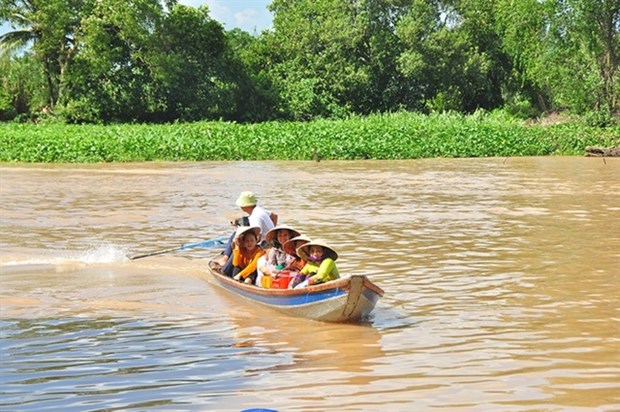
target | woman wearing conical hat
[
  {"x": 321, "y": 263},
  {"x": 246, "y": 253},
  {"x": 290, "y": 248},
  {"x": 276, "y": 259}
]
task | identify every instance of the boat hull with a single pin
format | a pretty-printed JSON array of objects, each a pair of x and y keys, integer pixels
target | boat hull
[{"x": 349, "y": 299}]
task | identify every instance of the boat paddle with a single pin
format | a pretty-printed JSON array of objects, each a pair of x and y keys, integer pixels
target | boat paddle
[{"x": 218, "y": 241}]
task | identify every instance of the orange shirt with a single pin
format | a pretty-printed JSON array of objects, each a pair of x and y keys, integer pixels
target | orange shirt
[
  {"x": 247, "y": 260},
  {"x": 296, "y": 265}
]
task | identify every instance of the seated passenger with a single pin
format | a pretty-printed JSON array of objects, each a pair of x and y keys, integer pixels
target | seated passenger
[
  {"x": 257, "y": 216},
  {"x": 321, "y": 263},
  {"x": 298, "y": 263},
  {"x": 275, "y": 259},
  {"x": 290, "y": 247},
  {"x": 246, "y": 253}
]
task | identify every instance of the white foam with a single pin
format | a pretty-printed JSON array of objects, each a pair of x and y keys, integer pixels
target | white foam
[
  {"x": 103, "y": 254},
  {"x": 99, "y": 254}
]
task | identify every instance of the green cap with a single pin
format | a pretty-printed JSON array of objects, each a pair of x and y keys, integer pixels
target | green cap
[{"x": 246, "y": 199}]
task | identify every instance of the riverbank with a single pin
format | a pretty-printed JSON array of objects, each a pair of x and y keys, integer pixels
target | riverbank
[{"x": 388, "y": 136}]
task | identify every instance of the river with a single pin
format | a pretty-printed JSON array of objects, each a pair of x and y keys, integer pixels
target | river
[{"x": 501, "y": 279}]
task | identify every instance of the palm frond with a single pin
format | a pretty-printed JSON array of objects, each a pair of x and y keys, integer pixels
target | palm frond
[
  {"x": 20, "y": 20},
  {"x": 14, "y": 41}
]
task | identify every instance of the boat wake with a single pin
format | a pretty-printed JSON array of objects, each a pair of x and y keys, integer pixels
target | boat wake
[
  {"x": 100, "y": 254},
  {"x": 103, "y": 254}
]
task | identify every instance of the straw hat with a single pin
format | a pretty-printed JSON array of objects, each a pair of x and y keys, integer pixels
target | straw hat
[
  {"x": 304, "y": 250},
  {"x": 272, "y": 235},
  {"x": 246, "y": 199},
  {"x": 242, "y": 230},
  {"x": 289, "y": 245}
]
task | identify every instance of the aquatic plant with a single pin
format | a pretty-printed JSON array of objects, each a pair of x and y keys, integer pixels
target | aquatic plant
[{"x": 386, "y": 136}]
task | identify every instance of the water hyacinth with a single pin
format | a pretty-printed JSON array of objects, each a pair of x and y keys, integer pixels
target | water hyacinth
[{"x": 386, "y": 136}]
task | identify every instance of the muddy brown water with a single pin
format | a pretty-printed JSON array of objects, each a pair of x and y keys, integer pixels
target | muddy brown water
[{"x": 501, "y": 277}]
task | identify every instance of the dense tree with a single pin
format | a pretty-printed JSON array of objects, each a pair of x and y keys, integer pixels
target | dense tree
[
  {"x": 452, "y": 55},
  {"x": 378, "y": 55},
  {"x": 335, "y": 56},
  {"x": 21, "y": 93},
  {"x": 585, "y": 34},
  {"x": 186, "y": 64},
  {"x": 53, "y": 27},
  {"x": 111, "y": 77},
  {"x": 142, "y": 62},
  {"x": 247, "y": 63},
  {"x": 131, "y": 60},
  {"x": 568, "y": 51},
  {"x": 153, "y": 60},
  {"x": 305, "y": 57}
]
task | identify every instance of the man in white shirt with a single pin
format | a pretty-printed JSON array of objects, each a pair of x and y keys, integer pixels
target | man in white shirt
[{"x": 258, "y": 216}]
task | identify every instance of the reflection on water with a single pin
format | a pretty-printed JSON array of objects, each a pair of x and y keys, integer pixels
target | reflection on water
[
  {"x": 501, "y": 280},
  {"x": 93, "y": 364}
]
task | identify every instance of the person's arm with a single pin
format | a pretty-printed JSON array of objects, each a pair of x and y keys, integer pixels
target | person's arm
[
  {"x": 230, "y": 245},
  {"x": 324, "y": 273},
  {"x": 274, "y": 218},
  {"x": 264, "y": 264},
  {"x": 251, "y": 267},
  {"x": 236, "y": 257},
  {"x": 306, "y": 269}
]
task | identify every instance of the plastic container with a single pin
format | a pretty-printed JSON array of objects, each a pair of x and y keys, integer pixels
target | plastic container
[
  {"x": 283, "y": 279},
  {"x": 266, "y": 282}
]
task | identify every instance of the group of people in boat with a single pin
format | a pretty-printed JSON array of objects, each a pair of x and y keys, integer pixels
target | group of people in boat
[{"x": 261, "y": 251}]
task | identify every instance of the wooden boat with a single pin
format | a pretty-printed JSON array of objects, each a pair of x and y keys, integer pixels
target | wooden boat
[{"x": 348, "y": 299}]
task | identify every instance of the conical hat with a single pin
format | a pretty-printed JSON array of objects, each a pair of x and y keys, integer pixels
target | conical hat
[
  {"x": 290, "y": 245},
  {"x": 303, "y": 251},
  {"x": 272, "y": 235},
  {"x": 242, "y": 230}
]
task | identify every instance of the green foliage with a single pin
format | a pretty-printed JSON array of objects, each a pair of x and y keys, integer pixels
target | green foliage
[
  {"x": 389, "y": 136},
  {"x": 7, "y": 111},
  {"x": 152, "y": 61},
  {"x": 600, "y": 118},
  {"x": 52, "y": 27},
  {"x": 570, "y": 49},
  {"x": 21, "y": 96},
  {"x": 111, "y": 73},
  {"x": 246, "y": 63},
  {"x": 520, "y": 107},
  {"x": 79, "y": 111},
  {"x": 189, "y": 46},
  {"x": 335, "y": 57}
]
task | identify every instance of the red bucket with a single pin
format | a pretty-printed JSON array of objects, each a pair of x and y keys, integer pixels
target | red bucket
[{"x": 283, "y": 279}]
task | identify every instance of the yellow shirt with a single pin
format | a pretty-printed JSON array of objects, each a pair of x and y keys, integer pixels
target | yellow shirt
[{"x": 322, "y": 271}]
